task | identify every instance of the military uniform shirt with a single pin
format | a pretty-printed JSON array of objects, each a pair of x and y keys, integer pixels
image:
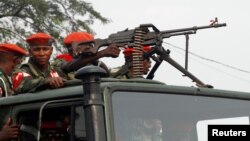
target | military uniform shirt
[
  {"x": 127, "y": 75},
  {"x": 29, "y": 78},
  {"x": 5, "y": 85},
  {"x": 58, "y": 63}
]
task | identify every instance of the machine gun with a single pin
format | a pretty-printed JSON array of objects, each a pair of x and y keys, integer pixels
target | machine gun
[{"x": 142, "y": 36}]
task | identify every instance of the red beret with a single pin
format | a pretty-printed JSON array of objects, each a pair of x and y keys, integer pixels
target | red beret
[
  {"x": 53, "y": 125},
  {"x": 40, "y": 39},
  {"x": 128, "y": 51},
  {"x": 78, "y": 37},
  {"x": 13, "y": 48},
  {"x": 66, "y": 57}
]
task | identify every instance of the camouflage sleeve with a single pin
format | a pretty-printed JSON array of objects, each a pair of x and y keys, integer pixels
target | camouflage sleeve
[
  {"x": 24, "y": 82},
  {"x": 58, "y": 63},
  {"x": 2, "y": 88}
]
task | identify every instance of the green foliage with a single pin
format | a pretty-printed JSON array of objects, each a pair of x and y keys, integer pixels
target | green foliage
[{"x": 20, "y": 18}]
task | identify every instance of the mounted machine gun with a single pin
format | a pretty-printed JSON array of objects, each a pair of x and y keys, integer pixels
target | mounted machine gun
[{"x": 142, "y": 36}]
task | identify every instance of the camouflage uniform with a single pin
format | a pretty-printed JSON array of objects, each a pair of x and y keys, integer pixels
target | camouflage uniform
[
  {"x": 29, "y": 78},
  {"x": 124, "y": 72},
  {"x": 115, "y": 70},
  {"x": 59, "y": 62},
  {"x": 5, "y": 85}
]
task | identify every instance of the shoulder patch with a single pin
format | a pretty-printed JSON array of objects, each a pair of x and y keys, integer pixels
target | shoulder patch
[
  {"x": 54, "y": 74},
  {"x": 17, "y": 79}
]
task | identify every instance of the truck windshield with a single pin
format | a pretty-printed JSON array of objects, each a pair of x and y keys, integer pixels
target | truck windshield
[{"x": 171, "y": 117}]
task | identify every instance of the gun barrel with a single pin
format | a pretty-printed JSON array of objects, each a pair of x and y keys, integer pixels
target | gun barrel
[{"x": 194, "y": 28}]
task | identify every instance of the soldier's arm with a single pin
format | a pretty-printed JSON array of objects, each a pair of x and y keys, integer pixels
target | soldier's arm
[
  {"x": 79, "y": 62},
  {"x": 110, "y": 51},
  {"x": 2, "y": 88},
  {"x": 23, "y": 82}
]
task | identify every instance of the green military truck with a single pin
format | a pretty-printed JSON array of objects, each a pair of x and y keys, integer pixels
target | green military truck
[{"x": 95, "y": 108}]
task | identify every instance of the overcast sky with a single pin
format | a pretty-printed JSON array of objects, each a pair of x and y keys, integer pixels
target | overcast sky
[{"x": 228, "y": 45}]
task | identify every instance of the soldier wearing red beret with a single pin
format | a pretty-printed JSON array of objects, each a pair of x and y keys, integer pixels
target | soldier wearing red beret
[
  {"x": 11, "y": 55},
  {"x": 38, "y": 74},
  {"x": 126, "y": 71},
  {"x": 54, "y": 130},
  {"x": 87, "y": 42}
]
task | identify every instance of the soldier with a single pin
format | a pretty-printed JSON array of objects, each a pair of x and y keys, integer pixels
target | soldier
[
  {"x": 54, "y": 130},
  {"x": 87, "y": 42},
  {"x": 126, "y": 71},
  {"x": 11, "y": 55},
  {"x": 38, "y": 74}
]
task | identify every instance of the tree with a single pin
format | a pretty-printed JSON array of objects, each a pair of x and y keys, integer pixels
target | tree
[{"x": 20, "y": 18}]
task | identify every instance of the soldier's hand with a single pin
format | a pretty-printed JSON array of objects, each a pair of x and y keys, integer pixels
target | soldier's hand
[
  {"x": 55, "y": 82},
  {"x": 111, "y": 51},
  {"x": 9, "y": 131}
]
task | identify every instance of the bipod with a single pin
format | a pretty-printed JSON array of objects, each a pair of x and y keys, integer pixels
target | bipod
[{"x": 164, "y": 55}]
